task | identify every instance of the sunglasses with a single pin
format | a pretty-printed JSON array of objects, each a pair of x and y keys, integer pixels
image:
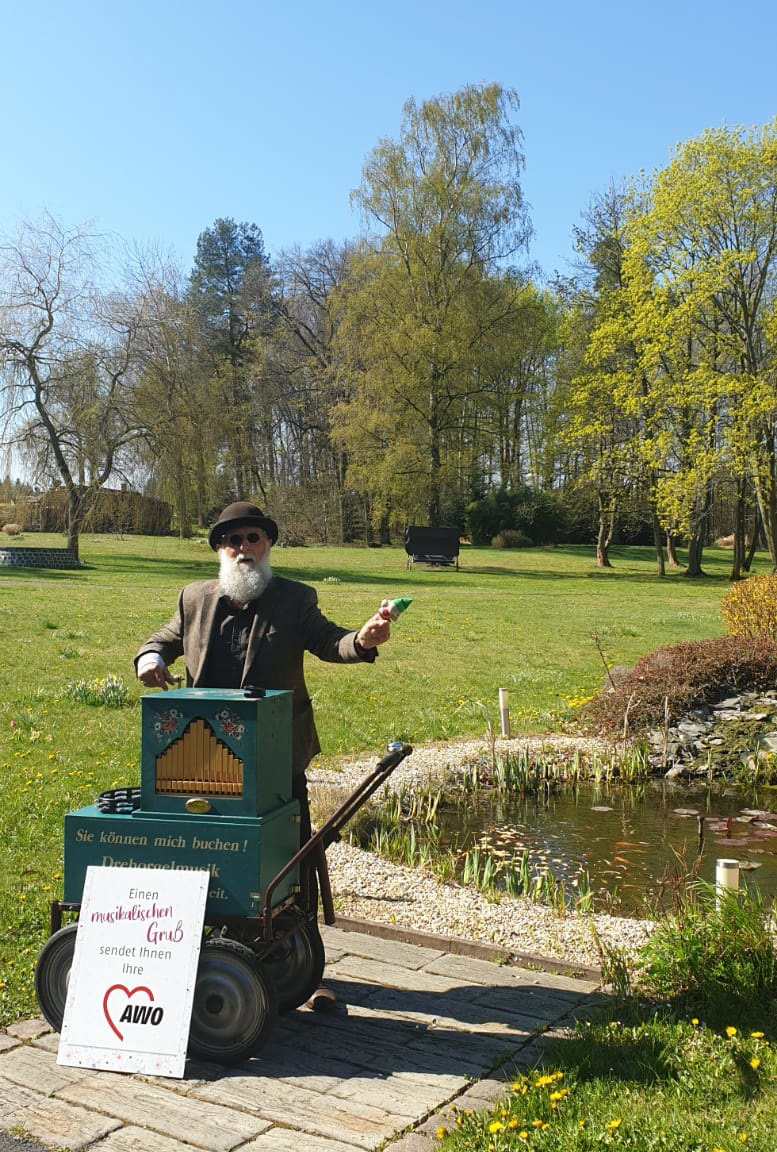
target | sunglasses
[{"x": 235, "y": 539}]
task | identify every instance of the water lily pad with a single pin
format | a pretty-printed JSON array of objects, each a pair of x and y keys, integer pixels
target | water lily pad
[{"x": 686, "y": 811}]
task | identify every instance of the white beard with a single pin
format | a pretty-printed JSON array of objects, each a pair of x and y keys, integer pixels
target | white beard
[{"x": 243, "y": 582}]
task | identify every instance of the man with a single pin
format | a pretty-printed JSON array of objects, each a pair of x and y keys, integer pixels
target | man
[{"x": 250, "y": 627}]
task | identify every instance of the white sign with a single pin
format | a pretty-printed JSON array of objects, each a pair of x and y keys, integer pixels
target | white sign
[{"x": 131, "y": 987}]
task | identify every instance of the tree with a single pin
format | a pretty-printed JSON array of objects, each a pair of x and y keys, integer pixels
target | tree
[
  {"x": 600, "y": 372},
  {"x": 231, "y": 290},
  {"x": 67, "y": 363},
  {"x": 702, "y": 279},
  {"x": 421, "y": 302},
  {"x": 309, "y": 468},
  {"x": 180, "y": 415}
]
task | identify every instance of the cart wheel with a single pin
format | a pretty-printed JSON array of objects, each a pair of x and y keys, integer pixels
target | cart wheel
[
  {"x": 296, "y": 964},
  {"x": 52, "y": 974},
  {"x": 234, "y": 1006}
]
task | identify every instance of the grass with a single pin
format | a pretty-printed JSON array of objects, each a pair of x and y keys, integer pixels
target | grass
[{"x": 517, "y": 620}]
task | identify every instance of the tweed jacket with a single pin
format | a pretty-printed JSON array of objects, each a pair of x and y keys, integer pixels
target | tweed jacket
[{"x": 288, "y": 623}]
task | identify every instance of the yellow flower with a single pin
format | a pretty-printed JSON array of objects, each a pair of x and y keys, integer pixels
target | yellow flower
[
  {"x": 731, "y": 1031},
  {"x": 559, "y": 1095},
  {"x": 695, "y": 1021},
  {"x": 613, "y": 1124},
  {"x": 440, "y": 1132},
  {"x": 743, "y": 1137},
  {"x": 523, "y": 1135},
  {"x": 757, "y": 1035},
  {"x": 495, "y": 1126},
  {"x": 543, "y": 1081},
  {"x": 755, "y": 1063}
]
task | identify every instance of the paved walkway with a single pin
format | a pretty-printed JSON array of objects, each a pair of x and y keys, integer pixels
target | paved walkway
[{"x": 416, "y": 1029}]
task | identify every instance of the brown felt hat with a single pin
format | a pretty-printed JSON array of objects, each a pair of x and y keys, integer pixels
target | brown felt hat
[{"x": 237, "y": 515}]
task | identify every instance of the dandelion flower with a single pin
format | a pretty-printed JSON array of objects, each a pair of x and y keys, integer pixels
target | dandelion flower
[
  {"x": 757, "y": 1035},
  {"x": 613, "y": 1124},
  {"x": 495, "y": 1126},
  {"x": 755, "y": 1063},
  {"x": 731, "y": 1031},
  {"x": 440, "y": 1132}
]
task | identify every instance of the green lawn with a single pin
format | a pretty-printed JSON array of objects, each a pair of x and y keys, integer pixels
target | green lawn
[{"x": 517, "y": 620}]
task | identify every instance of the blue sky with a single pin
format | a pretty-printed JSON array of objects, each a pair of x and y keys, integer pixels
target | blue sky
[{"x": 154, "y": 119}]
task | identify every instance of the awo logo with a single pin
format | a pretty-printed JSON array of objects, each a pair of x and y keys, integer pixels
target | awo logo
[{"x": 142, "y": 1012}]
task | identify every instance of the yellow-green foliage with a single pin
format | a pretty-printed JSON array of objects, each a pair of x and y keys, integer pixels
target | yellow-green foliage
[{"x": 750, "y": 608}]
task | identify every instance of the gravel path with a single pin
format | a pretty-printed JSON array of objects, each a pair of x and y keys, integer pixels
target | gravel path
[{"x": 365, "y": 885}]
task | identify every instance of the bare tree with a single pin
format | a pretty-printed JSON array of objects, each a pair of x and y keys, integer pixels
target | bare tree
[{"x": 66, "y": 362}]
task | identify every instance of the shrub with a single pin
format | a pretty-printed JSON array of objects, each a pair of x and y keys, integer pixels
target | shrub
[
  {"x": 715, "y": 956},
  {"x": 680, "y": 677},
  {"x": 512, "y": 538},
  {"x": 750, "y": 607},
  {"x": 493, "y": 513}
]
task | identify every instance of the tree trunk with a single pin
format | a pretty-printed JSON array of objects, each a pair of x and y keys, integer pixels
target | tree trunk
[
  {"x": 658, "y": 545},
  {"x": 766, "y": 495},
  {"x": 756, "y": 536},
  {"x": 606, "y": 529},
  {"x": 671, "y": 551},
  {"x": 434, "y": 500},
  {"x": 738, "y": 559},
  {"x": 73, "y": 520},
  {"x": 695, "y": 549}
]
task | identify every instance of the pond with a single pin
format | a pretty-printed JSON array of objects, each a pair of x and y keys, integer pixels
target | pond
[{"x": 626, "y": 838}]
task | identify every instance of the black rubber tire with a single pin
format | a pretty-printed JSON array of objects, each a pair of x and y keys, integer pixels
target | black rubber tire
[
  {"x": 296, "y": 964},
  {"x": 234, "y": 1007},
  {"x": 52, "y": 974}
]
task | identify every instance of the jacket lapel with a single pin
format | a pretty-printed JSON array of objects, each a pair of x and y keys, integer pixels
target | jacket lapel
[{"x": 208, "y": 611}]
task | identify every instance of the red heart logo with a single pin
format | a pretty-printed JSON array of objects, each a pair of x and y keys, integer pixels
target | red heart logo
[{"x": 129, "y": 994}]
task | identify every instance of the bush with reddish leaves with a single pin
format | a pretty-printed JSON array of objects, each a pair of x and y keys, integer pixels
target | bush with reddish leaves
[{"x": 681, "y": 677}]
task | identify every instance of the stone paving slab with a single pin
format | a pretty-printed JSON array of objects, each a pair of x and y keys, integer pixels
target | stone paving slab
[
  {"x": 394, "y": 952},
  {"x": 56, "y": 1124},
  {"x": 13, "y": 1097},
  {"x": 416, "y": 1030},
  {"x": 502, "y": 975},
  {"x": 29, "y": 1065},
  {"x": 287, "y": 1140},
  {"x": 135, "y": 1101}
]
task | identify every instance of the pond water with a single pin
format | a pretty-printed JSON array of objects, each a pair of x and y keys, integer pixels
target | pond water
[{"x": 625, "y": 837}]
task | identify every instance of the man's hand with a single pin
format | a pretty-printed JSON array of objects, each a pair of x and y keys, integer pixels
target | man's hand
[
  {"x": 375, "y": 632},
  {"x": 157, "y": 676}
]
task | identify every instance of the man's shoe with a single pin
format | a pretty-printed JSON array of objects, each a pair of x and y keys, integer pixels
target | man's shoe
[{"x": 322, "y": 1000}]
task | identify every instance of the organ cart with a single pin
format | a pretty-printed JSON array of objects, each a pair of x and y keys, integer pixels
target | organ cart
[{"x": 216, "y": 794}]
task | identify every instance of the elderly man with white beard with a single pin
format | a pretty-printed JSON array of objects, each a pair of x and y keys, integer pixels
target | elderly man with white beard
[{"x": 252, "y": 628}]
